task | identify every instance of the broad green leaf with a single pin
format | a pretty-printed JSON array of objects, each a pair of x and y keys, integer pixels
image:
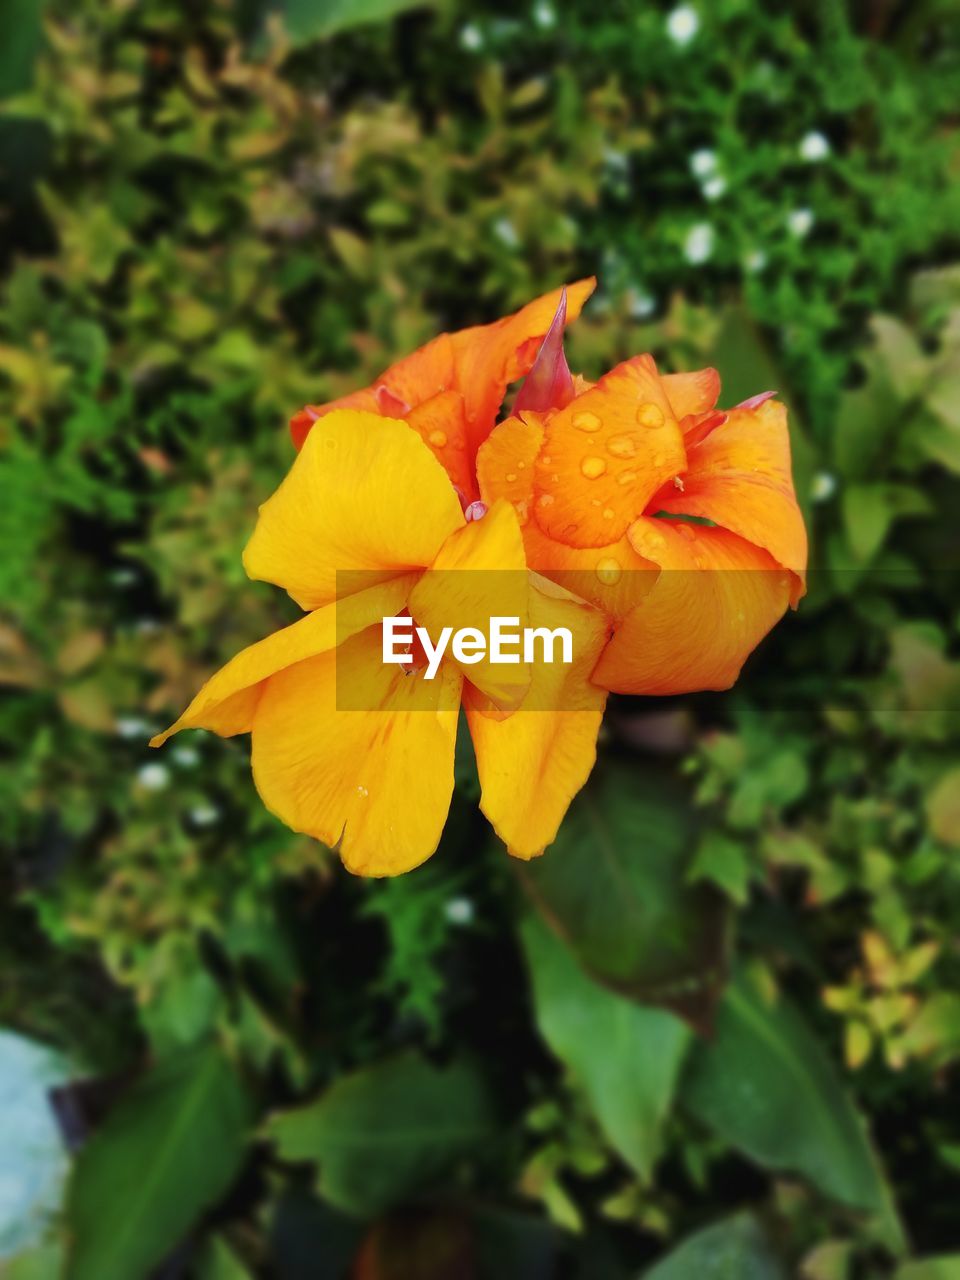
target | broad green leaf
[
  {"x": 614, "y": 886},
  {"x": 169, "y": 1149},
  {"x": 625, "y": 1057},
  {"x": 387, "y": 1131},
  {"x": 318, "y": 19},
  {"x": 33, "y": 1160},
  {"x": 21, "y": 34},
  {"x": 766, "y": 1085},
  {"x": 945, "y": 1268},
  {"x": 725, "y": 863},
  {"x": 735, "y": 1249}
]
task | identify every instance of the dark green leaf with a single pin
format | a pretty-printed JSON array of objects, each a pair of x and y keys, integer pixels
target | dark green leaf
[
  {"x": 766, "y": 1085},
  {"x": 735, "y": 1249},
  {"x": 385, "y": 1132},
  {"x": 21, "y": 33},
  {"x": 614, "y": 887},
  {"x": 317, "y": 19},
  {"x": 625, "y": 1057},
  {"x": 168, "y": 1150}
]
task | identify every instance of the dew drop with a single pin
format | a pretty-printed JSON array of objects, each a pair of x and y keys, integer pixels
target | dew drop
[
  {"x": 511, "y": 476},
  {"x": 608, "y": 513},
  {"x": 608, "y": 571},
  {"x": 546, "y": 460},
  {"x": 686, "y": 532},
  {"x": 627, "y": 477},
  {"x": 587, "y": 422},
  {"x": 650, "y": 415},
  {"x": 438, "y": 438},
  {"x": 593, "y": 467},
  {"x": 362, "y": 791},
  {"x": 622, "y": 446},
  {"x": 522, "y": 509},
  {"x": 544, "y": 500}
]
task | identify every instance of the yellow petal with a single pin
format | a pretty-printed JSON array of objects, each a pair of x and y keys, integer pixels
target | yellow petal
[
  {"x": 364, "y": 500},
  {"x": 717, "y": 596},
  {"x": 532, "y": 763},
  {"x": 227, "y": 701},
  {"x": 377, "y": 782},
  {"x": 480, "y": 573}
]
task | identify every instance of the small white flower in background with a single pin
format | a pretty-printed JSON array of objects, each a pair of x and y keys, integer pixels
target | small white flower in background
[
  {"x": 814, "y": 146},
  {"x": 698, "y": 245},
  {"x": 146, "y": 626},
  {"x": 186, "y": 756},
  {"x": 714, "y": 187},
  {"x": 471, "y": 37},
  {"x": 824, "y": 486},
  {"x": 459, "y": 910},
  {"x": 755, "y": 260},
  {"x": 683, "y": 23},
  {"x": 703, "y": 162},
  {"x": 132, "y": 727},
  {"x": 544, "y": 14},
  {"x": 800, "y": 221},
  {"x": 640, "y": 304},
  {"x": 123, "y": 577},
  {"x": 204, "y": 815},
  {"x": 506, "y": 232},
  {"x": 153, "y": 777}
]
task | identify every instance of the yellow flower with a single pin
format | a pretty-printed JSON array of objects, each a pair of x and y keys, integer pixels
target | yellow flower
[{"x": 365, "y": 526}]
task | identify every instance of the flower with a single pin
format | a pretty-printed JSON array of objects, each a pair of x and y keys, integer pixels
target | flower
[
  {"x": 683, "y": 23},
  {"x": 703, "y": 162},
  {"x": 800, "y": 222},
  {"x": 698, "y": 245},
  {"x": 662, "y": 532},
  {"x": 814, "y": 146}
]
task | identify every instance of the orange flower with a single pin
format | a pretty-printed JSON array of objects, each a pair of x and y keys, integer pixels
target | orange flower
[{"x": 670, "y": 531}]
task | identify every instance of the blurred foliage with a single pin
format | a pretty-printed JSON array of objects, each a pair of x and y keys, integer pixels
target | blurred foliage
[{"x": 734, "y": 1050}]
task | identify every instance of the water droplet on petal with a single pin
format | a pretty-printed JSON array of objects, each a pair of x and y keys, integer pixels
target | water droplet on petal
[
  {"x": 587, "y": 422},
  {"x": 608, "y": 513},
  {"x": 627, "y": 477},
  {"x": 686, "y": 532},
  {"x": 622, "y": 446},
  {"x": 650, "y": 415},
  {"x": 475, "y": 511},
  {"x": 593, "y": 467},
  {"x": 544, "y": 500},
  {"x": 437, "y": 438},
  {"x": 511, "y": 476},
  {"x": 608, "y": 571}
]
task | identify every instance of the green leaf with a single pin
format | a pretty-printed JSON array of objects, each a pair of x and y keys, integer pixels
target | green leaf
[
  {"x": 33, "y": 1160},
  {"x": 725, "y": 863},
  {"x": 945, "y": 1268},
  {"x": 219, "y": 1262},
  {"x": 614, "y": 886},
  {"x": 21, "y": 34},
  {"x": 168, "y": 1150},
  {"x": 386, "y": 1131},
  {"x": 307, "y": 20},
  {"x": 627, "y": 1058},
  {"x": 734, "y": 1249},
  {"x": 766, "y": 1085}
]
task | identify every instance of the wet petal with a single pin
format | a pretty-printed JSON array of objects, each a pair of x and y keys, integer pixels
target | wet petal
[
  {"x": 364, "y": 496},
  {"x": 227, "y": 702},
  {"x": 715, "y": 599},
  {"x": 532, "y": 763},
  {"x": 604, "y": 456},
  {"x": 377, "y": 781},
  {"x": 740, "y": 477}
]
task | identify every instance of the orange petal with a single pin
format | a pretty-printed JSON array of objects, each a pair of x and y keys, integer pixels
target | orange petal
[
  {"x": 614, "y": 577},
  {"x": 480, "y": 573},
  {"x": 441, "y": 424},
  {"x": 739, "y": 477},
  {"x": 715, "y": 599},
  {"x": 489, "y": 357},
  {"x": 691, "y": 393},
  {"x": 605, "y": 455},
  {"x": 532, "y": 763},
  {"x": 364, "y": 497},
  {"x": 505, "y": 462},
  {"x": 378, "y": 781},
  {"x": 227, "y": 701}
]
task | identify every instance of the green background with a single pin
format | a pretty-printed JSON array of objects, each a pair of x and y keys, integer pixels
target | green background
[{"x": 733, "y": 1051}]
